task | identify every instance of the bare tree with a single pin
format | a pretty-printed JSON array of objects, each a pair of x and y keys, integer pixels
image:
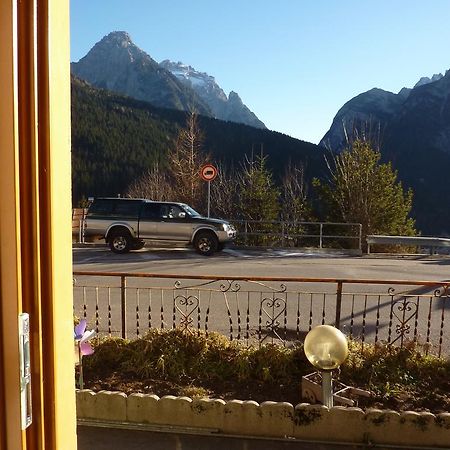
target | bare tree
[
  {"x": 154, "y": 185},
  {"x": 180, "y": 181},
  {"x": 185, "y": 161},
  {"x": 294, "y": 194},
  {"x": 225, "y": 193}
]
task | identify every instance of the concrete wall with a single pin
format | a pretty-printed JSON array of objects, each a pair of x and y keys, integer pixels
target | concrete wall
[{"x": 269, "y": 419}]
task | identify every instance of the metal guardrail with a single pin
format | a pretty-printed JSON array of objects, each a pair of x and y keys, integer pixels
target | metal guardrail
[
  {"x": 299, "y": 234},
  {"x": 418, "y": 241},
  {"x": 266, "y": 309}
]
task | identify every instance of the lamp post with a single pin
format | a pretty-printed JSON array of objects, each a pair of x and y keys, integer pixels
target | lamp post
[{"x": 326, "y": 349}]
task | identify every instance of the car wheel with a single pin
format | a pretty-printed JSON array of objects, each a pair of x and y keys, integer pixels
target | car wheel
[
  {"x": 137, "y": 244},
  {"x": 120, "y": 242},
  {"x": 206, "y": 243}
]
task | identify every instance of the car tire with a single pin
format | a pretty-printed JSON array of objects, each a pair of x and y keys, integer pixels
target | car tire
[
  {"x": 120, "y": 242},
  {"x": 206, "y": 243},
  {"x": 137, "y": 244}
]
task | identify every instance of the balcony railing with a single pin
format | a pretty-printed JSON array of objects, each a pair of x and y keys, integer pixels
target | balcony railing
[{"x": 266, "y": 309}]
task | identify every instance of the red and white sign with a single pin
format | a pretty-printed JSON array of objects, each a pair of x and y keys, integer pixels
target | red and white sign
[{"x": 208, "y": 172}]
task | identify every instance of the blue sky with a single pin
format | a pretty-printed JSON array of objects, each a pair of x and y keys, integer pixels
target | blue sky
[{"x": 293, "y": 62}]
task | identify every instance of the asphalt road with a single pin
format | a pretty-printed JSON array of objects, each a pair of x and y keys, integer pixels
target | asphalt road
[{"x": 276, "y": 263}]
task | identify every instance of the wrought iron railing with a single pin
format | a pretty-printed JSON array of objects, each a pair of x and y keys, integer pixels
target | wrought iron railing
[{"x": 266, "y": 309}]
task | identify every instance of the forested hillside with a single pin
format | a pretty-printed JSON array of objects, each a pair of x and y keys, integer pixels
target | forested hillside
[{"x": 115, "y": 139}]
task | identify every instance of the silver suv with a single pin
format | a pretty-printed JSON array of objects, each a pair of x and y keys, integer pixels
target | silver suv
[{"x": 126, "y": 224}]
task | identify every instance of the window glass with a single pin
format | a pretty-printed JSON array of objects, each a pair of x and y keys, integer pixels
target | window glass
[
  {"x": 112, "y": 207},
  {"x": 127, "y": 208},
  {"x": 172, "y": 212},
  {"x": 101, "y": 207},
  {"x": 151, "y": 211},
  {"x": 192, "y": 212},
  {"x": 177, "y": 213}
]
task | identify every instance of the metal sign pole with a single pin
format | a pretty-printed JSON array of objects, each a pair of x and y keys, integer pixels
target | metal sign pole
[
  {"x": 209, "y": 196},
  {"x": 208, "y": 173}
]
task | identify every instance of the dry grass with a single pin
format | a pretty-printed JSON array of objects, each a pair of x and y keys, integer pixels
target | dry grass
[{"x": 178, "y": 363}]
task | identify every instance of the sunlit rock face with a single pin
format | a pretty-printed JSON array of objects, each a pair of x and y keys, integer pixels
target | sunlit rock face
[
  {"x": 379, "y": 115},
  {"x": 117, "y": 64},
  {"x": 229, "y": 108}
]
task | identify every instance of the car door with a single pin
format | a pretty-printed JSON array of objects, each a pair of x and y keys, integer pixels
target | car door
[
  {"x": 149, "y": 219},
  {"x": 174, "y": 224}
]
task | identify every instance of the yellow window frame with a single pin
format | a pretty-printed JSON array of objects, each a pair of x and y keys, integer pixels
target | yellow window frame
[{"x": 35, "y": 221}]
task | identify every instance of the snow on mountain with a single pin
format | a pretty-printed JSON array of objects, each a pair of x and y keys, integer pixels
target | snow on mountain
[{"x": 222, "y": 107}]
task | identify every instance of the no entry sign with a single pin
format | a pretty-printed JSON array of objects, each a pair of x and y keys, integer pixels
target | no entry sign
[{"x": 208, "y": 172}]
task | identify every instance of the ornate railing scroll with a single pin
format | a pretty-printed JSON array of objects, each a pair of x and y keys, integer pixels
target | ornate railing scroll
[
  {"x": 272, "y": 315},
  {"x": 272, "y": 308},
  {"x": 404, "y": 312},
  {"x": 413, "y": 317},
  {"x": 186, "y": 306}
]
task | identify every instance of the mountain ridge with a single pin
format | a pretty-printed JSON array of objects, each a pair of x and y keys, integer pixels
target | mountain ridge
[
  {"x": 412, "y": 131},
  {"x": 223, "y": 107},
  {"x": 375, "y": 106},
  {"x": 117, "y": 64}
]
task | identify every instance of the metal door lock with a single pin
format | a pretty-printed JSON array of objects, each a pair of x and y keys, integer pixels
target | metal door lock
[{"x": 25, "y": 370}]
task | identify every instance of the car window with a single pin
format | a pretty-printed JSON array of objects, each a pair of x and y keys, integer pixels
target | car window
[
  {"x": 151, "y": 211},
  {"x": 113, "y": 207},
  {"x": 172, "y": 212},
  {"x": 127, "y": 209},
  {"x": 192, "y": 212},
  {"x": 101, "y": 207}
]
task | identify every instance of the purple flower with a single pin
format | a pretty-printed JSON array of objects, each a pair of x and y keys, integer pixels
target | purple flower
[{"x": 81, "y": 337}]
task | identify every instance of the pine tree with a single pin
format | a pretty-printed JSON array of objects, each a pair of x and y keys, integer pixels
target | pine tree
[
  {"x": 363, "y": 190},
  {"x": 258, "y": 197}
]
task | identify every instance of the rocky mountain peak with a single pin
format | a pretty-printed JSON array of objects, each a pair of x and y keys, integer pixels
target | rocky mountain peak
[
  {"x": 376, "y": 108},
  {"x": 229, "y": 108},
  {"x": 181, "y": 69},
  {"x": 234, "y": 97},
  {"x": 427, "y": 80},
  {"x": 117, "y": 49},
  {"x": 117, "y": 64},
  {"x": 121, "y": 38}
]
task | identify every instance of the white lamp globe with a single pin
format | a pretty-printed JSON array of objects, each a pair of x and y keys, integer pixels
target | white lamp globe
[{"x": 326, "y": 347}]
